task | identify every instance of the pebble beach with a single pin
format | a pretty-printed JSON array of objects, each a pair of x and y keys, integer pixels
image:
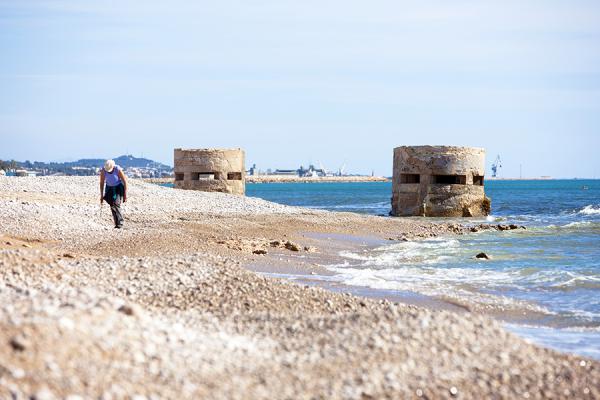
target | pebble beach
[{"x": 166, "y": 308}]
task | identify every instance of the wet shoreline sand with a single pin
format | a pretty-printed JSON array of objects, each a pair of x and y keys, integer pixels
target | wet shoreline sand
[{"x": 165, "y": 309}]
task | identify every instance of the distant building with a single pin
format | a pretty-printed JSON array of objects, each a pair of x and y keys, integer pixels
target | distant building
[
  {"x": 24, "y": 172},
  {"x": 252, "y": 171},
  {"x": 285, "y": 172}
]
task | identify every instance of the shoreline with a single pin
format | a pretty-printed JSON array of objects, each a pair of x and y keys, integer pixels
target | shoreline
[
  {"x": 164, "y": 307},
  {"x": 312, "y": 269},
  {"x": 290, "y": 179}
]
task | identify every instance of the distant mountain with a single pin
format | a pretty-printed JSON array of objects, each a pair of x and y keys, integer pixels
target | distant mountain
[
  {"x": 125, "y": 161},
  {"x": 88, "y": 166}
]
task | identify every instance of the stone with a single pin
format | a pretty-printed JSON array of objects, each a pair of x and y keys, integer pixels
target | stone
[
  {"x": 43, "y": 394},
  {"x": 18, "y": 343},
  {"x": 259, "y": 251},
  {"x": 292, "y": 246},
  {"x": 482, "y": 256},
  {"x": 126, "y": 309}
]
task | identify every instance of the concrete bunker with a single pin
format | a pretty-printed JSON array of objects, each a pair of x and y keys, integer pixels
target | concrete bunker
[
  {"x": 210, "y": 170},
  {"x": 439, "y": 181}
]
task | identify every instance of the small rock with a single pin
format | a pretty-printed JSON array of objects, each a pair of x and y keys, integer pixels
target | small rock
[
  {"x": 68, "y": 255},
  {"x": 259, "y": 251},
  {"x": 292, "y": 246},
  {"x": 126, "y": 309},
  {"x": 482, "y": 256},
  {"x": 43, "y": 394},
  {"x": 453, "y": 391},
  {"x": 18, "y": 343},
  {"x": 18, "y": 373}
]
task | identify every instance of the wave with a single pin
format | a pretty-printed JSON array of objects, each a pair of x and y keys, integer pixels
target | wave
[
  {"x": 577, "y": 224},
  {"x": 578, "y": 281},
  {"x": 590, "y": 210}
]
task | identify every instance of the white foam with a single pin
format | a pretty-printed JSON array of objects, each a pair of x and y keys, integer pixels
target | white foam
[
  {"x": 590, "y": 210},
  {"x": 577, "y": 224}
]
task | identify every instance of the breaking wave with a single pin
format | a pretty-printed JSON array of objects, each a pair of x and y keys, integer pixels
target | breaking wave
[{"x": 590, "y": 210}]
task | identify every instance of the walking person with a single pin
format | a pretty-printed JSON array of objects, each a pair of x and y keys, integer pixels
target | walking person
[{"x": 115, "y": 191}]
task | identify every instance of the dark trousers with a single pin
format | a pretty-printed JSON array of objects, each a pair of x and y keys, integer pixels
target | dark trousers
[{"x": 113, "y": 195}]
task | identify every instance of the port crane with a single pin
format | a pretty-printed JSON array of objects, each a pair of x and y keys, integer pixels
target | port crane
[
  {"x": 342, "y": 170},
  {"x": 496, "y": 166}
]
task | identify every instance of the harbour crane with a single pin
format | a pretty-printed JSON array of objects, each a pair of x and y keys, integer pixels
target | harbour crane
[
  {"x": 496, "y": 166},
  {"x": 322, "y": 168},
  {"x": 342, "y": 170}
]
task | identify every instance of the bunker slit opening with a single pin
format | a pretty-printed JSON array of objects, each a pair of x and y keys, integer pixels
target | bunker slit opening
[
  {"x": 204, "y": 176},
  {"x": 449, "y": 179},
  {"x": 410, "y": 178},
  {"x": 234, "y": 176}
]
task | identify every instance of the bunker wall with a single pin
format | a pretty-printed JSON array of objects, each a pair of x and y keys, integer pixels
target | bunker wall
[
  {"x": 210, "y": 170},
  {"x": 439, "y": 181}
]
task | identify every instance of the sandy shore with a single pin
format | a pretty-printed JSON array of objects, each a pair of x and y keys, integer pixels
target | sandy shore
[{"x": 165, "y": 308}]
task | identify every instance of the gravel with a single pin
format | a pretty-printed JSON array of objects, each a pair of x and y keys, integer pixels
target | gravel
[{"x": 68, "y": 208}]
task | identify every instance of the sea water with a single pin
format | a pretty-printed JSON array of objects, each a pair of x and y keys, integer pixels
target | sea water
[{"x": 551, "y": 269}]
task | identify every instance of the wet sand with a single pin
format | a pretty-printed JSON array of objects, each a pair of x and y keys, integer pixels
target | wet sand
[{"x": 166, "y": 309}]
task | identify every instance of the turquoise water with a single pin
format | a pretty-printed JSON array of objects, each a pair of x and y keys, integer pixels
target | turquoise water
[{"x": 551, "y": 270}]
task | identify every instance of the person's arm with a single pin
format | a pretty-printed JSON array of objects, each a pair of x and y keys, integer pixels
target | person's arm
[
  {"x": 101, "y": 186},
  {"x": 124, "y": 180}
]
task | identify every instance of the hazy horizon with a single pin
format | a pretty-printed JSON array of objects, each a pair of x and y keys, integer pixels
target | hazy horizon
[{"x": 293, "y": 83}]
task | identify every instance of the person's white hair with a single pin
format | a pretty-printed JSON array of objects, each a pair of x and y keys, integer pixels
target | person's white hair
[{"x": 109, "y": 165}]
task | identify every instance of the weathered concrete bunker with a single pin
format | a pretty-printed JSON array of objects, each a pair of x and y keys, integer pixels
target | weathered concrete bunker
[
  {"x": 210, "y": 170},
  {"x": 439, "y": 181}
]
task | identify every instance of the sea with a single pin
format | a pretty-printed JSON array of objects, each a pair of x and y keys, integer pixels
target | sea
[{"x": 551, "y": 269}]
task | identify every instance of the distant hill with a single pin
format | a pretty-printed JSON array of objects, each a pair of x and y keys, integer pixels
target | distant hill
[
  {"x": 125, "y": 161},
  {"x": 88, "y": 166}
]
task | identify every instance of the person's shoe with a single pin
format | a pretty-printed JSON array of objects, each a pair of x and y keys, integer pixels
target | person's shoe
[{"x": 118, "y": 226}]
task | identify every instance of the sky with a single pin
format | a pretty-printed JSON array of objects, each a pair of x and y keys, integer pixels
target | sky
[{"x": 292, "y": 82}]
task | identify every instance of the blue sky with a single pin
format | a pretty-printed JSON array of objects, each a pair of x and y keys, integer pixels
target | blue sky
[{"x": 293, "y": 82}]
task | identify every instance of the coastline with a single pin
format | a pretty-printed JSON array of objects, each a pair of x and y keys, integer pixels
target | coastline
[
  {"x": 168, "y": 299},
  {"x": 291, "y": 179}
]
